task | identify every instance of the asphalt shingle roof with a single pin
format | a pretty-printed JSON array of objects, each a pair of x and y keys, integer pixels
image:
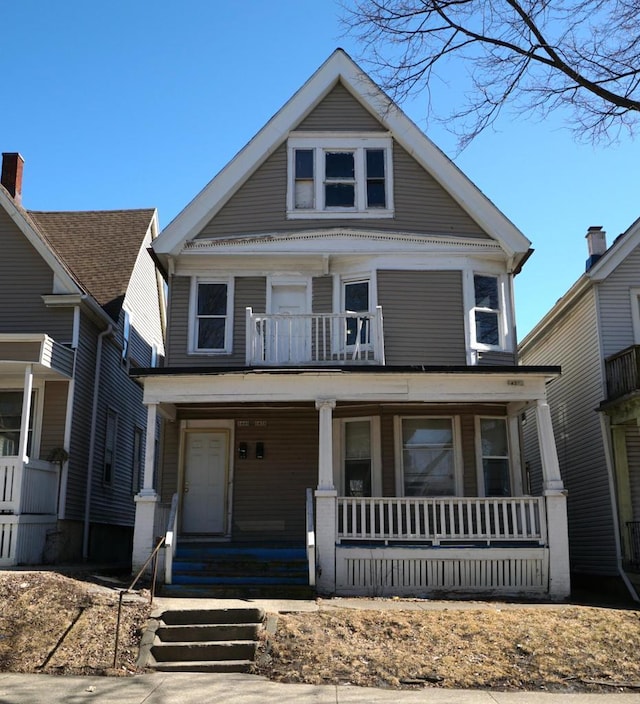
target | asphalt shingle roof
[{"x": 98, "y": 247}]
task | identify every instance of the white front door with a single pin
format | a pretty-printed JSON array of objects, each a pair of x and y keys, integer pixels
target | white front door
[
  {"x": 204, "y": 505},
  {"x": 288, "y": 340}
]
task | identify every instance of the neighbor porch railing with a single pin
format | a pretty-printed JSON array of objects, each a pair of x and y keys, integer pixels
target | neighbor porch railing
[
  {"x": 315, "y": 338},
  {"x": 440, "y": 521},
  {"x": 623, "y": 372},
  {"x": 171, "y": 540},
  {"x": 28, "y": 488},
  {"x": 311, "y": 538}
]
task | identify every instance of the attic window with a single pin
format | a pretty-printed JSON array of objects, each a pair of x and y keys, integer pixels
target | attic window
[{"x": 339, "y": 177}]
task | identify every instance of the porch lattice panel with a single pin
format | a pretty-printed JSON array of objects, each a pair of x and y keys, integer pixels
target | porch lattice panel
[{"x": 416, "y": 572}]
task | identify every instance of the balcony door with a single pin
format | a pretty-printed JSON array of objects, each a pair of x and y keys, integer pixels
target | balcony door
[{"x": 288, "y": 338}]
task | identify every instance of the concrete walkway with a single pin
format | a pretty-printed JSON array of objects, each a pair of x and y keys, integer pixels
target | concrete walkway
[{"x": 190, "y": 688}]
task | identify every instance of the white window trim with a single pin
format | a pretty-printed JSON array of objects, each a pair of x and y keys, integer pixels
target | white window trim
[
  {"x": 339, "y": 436},
  {"x": 482, "y": 492},
  {"x": 457, "y": 451},
  {"x": 504, "y": 312},
  {"x": 193, "y": 321},
  {"x": 126, "y": 337},
  {"x": 37, "y": 409},
  {"x": 356, "y": 142},
  {"x": 339, "y": 281}
]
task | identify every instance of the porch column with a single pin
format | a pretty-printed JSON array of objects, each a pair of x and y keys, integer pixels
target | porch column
[
  {"x": 556, "y": 506},
  {"x": 26, "y": 413},
  {"x": 147, "y": 499},
  {"x": 326, "y": 501}
]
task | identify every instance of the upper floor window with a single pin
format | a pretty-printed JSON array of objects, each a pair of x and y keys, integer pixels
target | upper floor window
[
  {"x": 126, "y": 336},
  {"x": 211, "y": 323},
  {"x": 340, "y": 177},
  {"x": 356, "y": 300},
  {"x": 487, "y": 310},
  {"x": 111, "y": 434}
]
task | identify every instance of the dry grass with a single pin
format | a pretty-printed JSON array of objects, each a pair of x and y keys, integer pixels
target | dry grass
[
  {"x": 54, "y": 624},
  {"x": 568, "y": 649}
]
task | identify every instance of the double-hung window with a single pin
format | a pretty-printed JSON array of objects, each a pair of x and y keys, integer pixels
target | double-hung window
[
  {"x": 428, "y": 456},
  {"x": 494, "y": 455},
  {"x": 340, "y": 177},
  {"x": 111, "y": 434},
  {"x": 356, "y": 300},
  {"x": 211, "y": 324},
  {"x": 11, "y": 420},
  {"x": 487, "y": 311}
]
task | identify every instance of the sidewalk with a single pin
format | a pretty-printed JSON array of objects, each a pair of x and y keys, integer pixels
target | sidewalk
[{"x": 190, "y": 688}]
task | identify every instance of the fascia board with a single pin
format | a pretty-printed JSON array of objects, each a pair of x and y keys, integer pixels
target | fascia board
[
  {"x": 39, "y": 244},
  {"x": 616, "y": 254},
  {"x": 340, "y": 66}
]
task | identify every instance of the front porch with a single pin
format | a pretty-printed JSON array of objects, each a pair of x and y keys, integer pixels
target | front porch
[
  {"x": 34, "y": 382},
  {"x": 398, "y": 504}
]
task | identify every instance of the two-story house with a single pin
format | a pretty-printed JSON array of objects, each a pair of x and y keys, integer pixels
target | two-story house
[
  {"x": 593, "y": 331},
  {"x": 82, "y": 303},
  {"x": 341, "y": 320}
]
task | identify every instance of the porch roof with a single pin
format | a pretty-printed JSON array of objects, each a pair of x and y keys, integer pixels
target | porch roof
[
  {"x": 435, "y": 384},
  {"x": 48, "y": 358}
]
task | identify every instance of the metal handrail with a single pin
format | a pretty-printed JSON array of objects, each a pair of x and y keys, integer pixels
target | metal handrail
[
  {"x": 311, "y": 539},
  {"x": 153, "y": 556},
  {"x": 171, "y": 540}
]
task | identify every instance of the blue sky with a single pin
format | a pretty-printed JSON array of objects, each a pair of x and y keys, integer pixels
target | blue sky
[{"x": 138, "y": 104}]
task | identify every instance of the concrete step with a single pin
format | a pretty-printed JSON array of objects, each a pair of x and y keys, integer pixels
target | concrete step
[
  {"x": 190, "y": 651},
  {"x": 212, "y": 632},
  {"x": 205, "y": 666},
  {"x": 202, "y": 640}
]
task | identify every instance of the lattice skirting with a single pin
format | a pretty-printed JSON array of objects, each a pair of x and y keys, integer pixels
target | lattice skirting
[{"x": 428, "y": 571}]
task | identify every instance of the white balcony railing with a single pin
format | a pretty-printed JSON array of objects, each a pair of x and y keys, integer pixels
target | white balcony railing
[
  {"x": 30, "y": 488},
  {"x": 442, "y": 520},
  {"x": 315, "y": 338}
]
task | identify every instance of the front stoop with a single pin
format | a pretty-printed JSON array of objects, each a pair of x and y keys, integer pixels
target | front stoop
[{"x": 203, "y": 640}]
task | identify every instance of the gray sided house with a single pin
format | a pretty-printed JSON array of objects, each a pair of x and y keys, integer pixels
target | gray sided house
[
  {"x": 341, "y": 375},
  {"x": 82, "y": 305},
  {"x": 593, "y": 332}
]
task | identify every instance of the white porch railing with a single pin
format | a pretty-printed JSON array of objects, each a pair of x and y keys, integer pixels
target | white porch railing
[
  {"x": 315, "y": 338},
  {"x": 30, "y": 488},
  {"x": 442, "y": 520}
]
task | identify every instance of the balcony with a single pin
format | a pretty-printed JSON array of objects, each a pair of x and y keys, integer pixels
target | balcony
[
  {"x": 623, "y": 372},
  {"x": 284, "y": 339}
]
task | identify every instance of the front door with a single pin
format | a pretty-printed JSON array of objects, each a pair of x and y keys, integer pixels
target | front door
[
  {"x": 204, "y": 505},
  {"x": 288, "y": 339}
]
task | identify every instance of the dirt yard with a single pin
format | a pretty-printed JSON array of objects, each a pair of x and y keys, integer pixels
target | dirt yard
[{"x": 56, "y": 624}]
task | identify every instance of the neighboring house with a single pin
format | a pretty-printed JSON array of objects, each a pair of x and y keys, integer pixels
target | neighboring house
[
  {"x": 593, "y": 332},
  {"x": 82, "y": 304},
  {"x": 281, "y": 377}
]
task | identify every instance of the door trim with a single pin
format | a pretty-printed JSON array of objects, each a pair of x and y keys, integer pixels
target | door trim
[{"x": 203, "y": 426}]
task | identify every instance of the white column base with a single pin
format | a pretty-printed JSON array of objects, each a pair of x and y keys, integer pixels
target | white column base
[
  {"x": 558, "y": 538},
  {"x": 143, "y": 537},
  {"x": 326, "y": 540}
]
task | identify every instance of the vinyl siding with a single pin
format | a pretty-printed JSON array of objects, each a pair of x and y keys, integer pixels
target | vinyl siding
[
  {"x": 53, "y": 417},
  {"x": 421, "y": 204},
  {"x": 614, "y": 300},
  {"x": 249, "y": 291},
  {"x": 322, "y": 295},
  {"x": 143, "y": 303},
  {"x": 423, "y": 317},
  {"x": 339, "y": 110},
  {"x": 269, "y": 494},
  {"x": 492, "y": 359},
  {"x": 573, "y": 399},
  {"x": 24, "y": 278}
]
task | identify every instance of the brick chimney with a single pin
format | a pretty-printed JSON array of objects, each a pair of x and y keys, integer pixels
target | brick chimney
[
  {"x": 596, "y": 244},
  {"x": 11, "y": 179}
]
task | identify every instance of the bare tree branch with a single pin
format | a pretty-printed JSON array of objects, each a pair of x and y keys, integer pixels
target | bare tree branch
[{"x": 533, "y": 56}]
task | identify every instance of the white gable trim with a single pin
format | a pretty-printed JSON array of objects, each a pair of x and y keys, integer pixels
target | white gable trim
[
  {"x": 340, "y": 66},
  {"x": 64, "y": 282},
  {"x": 616, "y": 254}
]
